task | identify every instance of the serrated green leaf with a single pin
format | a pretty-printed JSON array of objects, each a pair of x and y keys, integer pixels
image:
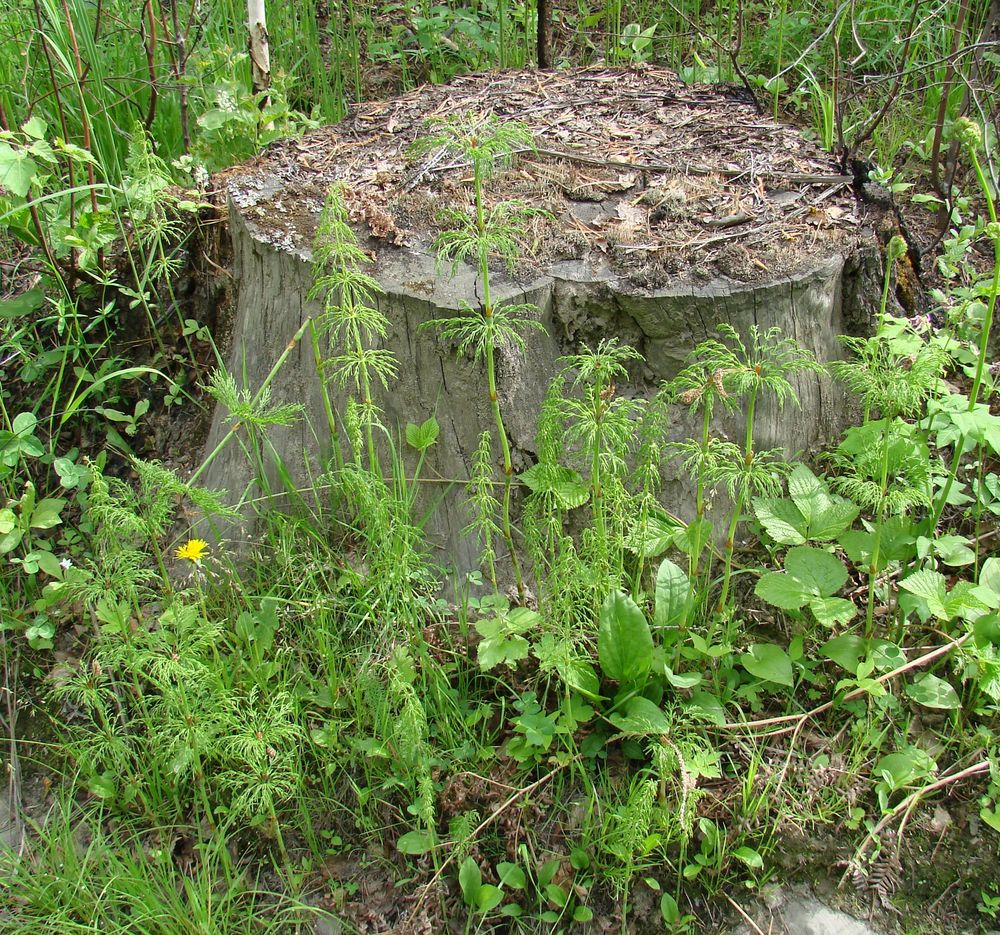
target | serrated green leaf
[
  {"x": 569, "y": 490},
  {"x": 898, "y": 540},
  {"x": 931, "y": 587},
  {"x": 421, "y": 437},
  {"x": 836, "y": 518},
  {"x": 954, "y": 551},
  {"x": 781, "y": 519},
  {"x": 807, "y": 491},
  {"x": 963, "y": 601},
  {"x": 857, "y": 544},
  {"x": 769, "y": 662},
  {"x": 826, "y": 515},
  {"x": 507, "y": 649},
  {"x": 16, "y": 170},
  {"x": 832, "y": 610},
  {"x": 216, "y": 119},
  {"x": 781, "y": 590},
  {"x": 34, "y": 127},
  {"x": 522, "y": 619},
  {"x": 820, "y": 572},
  {"x": 565, "y": 485},
  {"x": 652, "y": 538}
]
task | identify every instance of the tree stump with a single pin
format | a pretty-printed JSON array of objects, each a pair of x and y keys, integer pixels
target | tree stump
[{"x": 670, "y": 209}]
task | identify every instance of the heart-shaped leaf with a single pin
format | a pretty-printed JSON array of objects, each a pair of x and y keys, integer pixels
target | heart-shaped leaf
[
  {"x": 769, "y": 662},
  {"x": 933, "y": 692}
]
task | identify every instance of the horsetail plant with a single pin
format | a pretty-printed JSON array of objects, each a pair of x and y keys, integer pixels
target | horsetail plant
[
  {"x": 699, "y": 388},
  {"x": 600, "y": 422},
  {"x": 483, "y": 506},
  {"x": 485, "y": 143},
  {"x": 350, "y": 317},
  {"x": 761, "y": 364},
  {"x": 884, "y": 464}
]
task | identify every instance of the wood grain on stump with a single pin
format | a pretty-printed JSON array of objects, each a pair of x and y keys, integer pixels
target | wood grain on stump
[{"x": 670, "y": 209}]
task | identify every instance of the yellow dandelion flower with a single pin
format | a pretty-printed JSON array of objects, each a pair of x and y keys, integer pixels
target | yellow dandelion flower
[{"x": 193, "y": 550}]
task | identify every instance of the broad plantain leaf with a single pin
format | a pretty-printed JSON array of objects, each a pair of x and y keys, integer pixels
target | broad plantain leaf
[
  {"x": 624, "y": 642},
  {"x": 672, "y": 593}
]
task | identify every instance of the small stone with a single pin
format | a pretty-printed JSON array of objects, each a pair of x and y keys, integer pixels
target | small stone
[
  {"x": 800, "y": 913},
  {"x": 806, "y": 915},
  {"x": 327, "y": 925},
  {"x": 772, "y": 895},
  {"x": 940, "y": 821}
]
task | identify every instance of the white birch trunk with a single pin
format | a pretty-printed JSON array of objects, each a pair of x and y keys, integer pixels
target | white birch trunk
[{"x": 260, "y": 55}]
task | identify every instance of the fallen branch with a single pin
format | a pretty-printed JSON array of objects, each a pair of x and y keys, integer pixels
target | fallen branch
[
  {"x": 795, "y": 721},
  {"x": 907, "y": 805}
]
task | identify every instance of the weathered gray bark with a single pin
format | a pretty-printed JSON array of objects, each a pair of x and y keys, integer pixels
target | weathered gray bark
[{"x": 578, "y": 302}]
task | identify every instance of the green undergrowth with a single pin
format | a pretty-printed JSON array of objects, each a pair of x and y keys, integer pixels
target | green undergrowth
[
  {"x": 624, "y": 714},
  {"x": 245, "y": 741}
]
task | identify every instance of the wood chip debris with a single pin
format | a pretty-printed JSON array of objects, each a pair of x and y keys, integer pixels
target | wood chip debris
[{"x": 628, "y": 162}]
